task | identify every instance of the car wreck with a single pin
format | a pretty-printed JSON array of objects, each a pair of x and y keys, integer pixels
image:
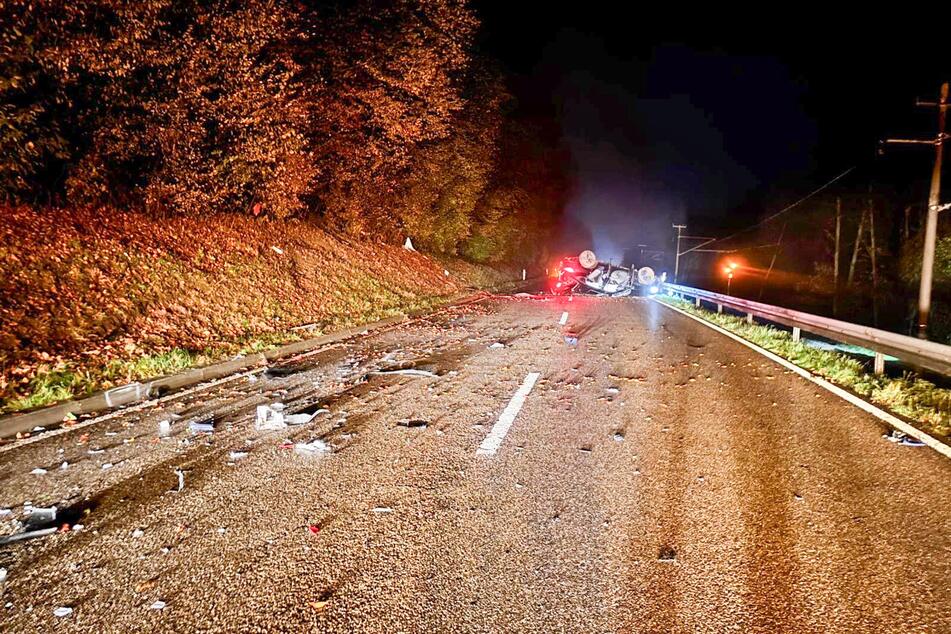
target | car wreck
[{"x": 585, "y": 274}]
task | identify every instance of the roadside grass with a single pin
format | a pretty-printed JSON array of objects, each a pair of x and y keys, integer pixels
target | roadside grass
[
  {"x": 909, "y": 396},
  {"x": 66, "y": 380}
]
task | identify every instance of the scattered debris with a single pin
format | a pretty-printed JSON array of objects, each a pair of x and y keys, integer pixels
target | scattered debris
[
  {"x": 320, "y": 605},
  {"x": 613, "y": 390},
  {"x": 164, "y": 428},
  {"x": 298, "y": 419},
  {"x": 408, "y": 245},
  {"x": 17, "y": 537},
  {"x": 277, "y": 250},
  {"x": 38, "y": 471},
  {"x": 618, "y": 436},
  {"x": 106, "y": 466},
  {"x": 667, "y": 554},
  {"x": 64, "y": 466},
  {"x": 564, "y": 318},
  {"x": 571, "y": 339},
  {"x": 137, "y": 533},
  {"x": 902, "y": 438},
  {"x": 406, "y": 371},
  {"x": 158, "y": 605},
  {"x": 204, "y": 426},
  {"x": 312, "y": 448},
  {"x": 382, "y": 509},
  {"x": 237, "y": 455},
  {"x": 181, "y": 478},
  {"x": 314, "y": 528},
  {"x": 414, "y": 422},
  {"x": 496, "y": 345},
  {"x": 63, "y": 611},
  {"x": 38, "y": 429},
  {"x": 270, "y": 417}
]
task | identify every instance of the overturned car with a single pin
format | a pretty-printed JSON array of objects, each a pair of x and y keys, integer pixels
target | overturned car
[{"x": 585, "y": 274}]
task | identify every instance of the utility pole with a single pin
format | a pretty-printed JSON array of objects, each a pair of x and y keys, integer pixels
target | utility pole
[
  {"x": 835, "y": 262},
  {"x": 679, "y": 229},
  {"x": 934, "y": 206}
]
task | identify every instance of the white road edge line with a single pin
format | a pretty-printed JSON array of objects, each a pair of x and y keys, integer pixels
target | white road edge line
[
  {"x": 497, "y": 434},
  {"x": 875, "y": 411},
  {"x": 564, "y": 318}
]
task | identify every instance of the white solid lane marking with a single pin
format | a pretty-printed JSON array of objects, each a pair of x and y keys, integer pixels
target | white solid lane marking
[
  {"x": 564, "y": 318},
  {"x": 497, "y": 434},
  {"x": 877, "y": 412}
]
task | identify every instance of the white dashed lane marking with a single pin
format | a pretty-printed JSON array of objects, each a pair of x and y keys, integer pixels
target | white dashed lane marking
[{"x": 497, "y": 434}]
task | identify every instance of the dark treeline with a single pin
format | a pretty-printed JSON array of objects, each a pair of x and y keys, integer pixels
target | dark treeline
[{"x": 379, "y": 119}]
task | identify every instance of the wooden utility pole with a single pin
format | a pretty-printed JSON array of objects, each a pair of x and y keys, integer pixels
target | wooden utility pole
[
  {"x": 934, "y": 206},
  {"x": 835, "y": 261},
  {"x": 871, "y": 253},
  {"x": 679, "y": 229},
  {"x": 772, "y": 263},
  {"x": 855, "y": 248}
]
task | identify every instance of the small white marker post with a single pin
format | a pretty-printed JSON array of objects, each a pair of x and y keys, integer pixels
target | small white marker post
[
  {"x": 497, "y": 434},
  {"x": 564, "y": 318}
]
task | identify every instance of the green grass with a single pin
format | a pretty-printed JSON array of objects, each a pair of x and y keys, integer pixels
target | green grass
[{"x": 909, "y": 396}]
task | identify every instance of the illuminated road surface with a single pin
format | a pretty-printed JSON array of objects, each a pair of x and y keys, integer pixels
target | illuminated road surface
[{"x": 658, "y": 477}]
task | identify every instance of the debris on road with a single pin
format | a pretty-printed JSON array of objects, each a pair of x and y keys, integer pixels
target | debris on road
[
  {"x": 63, "y": 611},
  {"x": 158, "y": 605},
  {"x": 203, "y": 426},
  {"x": 571, "y": 339},
  {"x": 299, "y": 419},
  {"x": 613, "y": 390},
  {"x": 38, "y": 471},
  {"x": 902, "y": 438},
  {"x": 164, "y": 428},
  {"x": 496, "y": 345},
  {"x": 237, "y": 455},
  {"x": 414, "y": 422},
  {"x": 181, "y": 478},
  {"x": 406, "y": 371},
  {"x": 270, "y": 417},
  {"x": 314, "y": 528},
  {"x": 320, "y": 605},
  {"x": 313, "y": 448},
  {"x": 382, "y": 509},
  {"x": 667, "y": 554},
  {"x": 618, "y": 436}
]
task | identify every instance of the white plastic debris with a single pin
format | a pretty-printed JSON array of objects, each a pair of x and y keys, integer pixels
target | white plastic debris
[
  {"x": 181, "y": 478},
  {"x": 63, "y": 611},
  {"x": 382, "y": 509},
  {"x": 496, "y": 345},
  {"x": 237, "y": 455},
  {"x": 164, "y": 428},
  {"x": 408, "y": 245},
  {"x": 77, "y": 527},
  {"x": 277, "y": 250},
  {"x": 64, "y": 466},
  {"x": 137, "y": 533},
  {"x": 407, "y": 372},
  {"x": 613, "y": 390},
  {"x": 312, "y": 448},
  {"x": 38, "y": 471},
  {"x": 37, "y": 428},
  {"x": 107, "y": 465},
  {"x": 298, "y": 419},
  {"x": 158, "y": 605},
  {"x": 270, "y": 417}
]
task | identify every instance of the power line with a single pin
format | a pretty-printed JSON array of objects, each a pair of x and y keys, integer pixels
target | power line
[{"x": 781, "y": 211}]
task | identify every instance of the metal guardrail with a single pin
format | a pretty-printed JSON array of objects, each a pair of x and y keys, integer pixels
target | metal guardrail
[{"x": 917, "y": 352}]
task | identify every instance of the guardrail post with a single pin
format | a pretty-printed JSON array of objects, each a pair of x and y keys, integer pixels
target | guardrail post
[
  {"x": 696, "y": 302},
  {"x": 879, "y": 363},
  {"x": 749, "y": 318},
  {"x": 796, "y": 333},
  {"x": 719, "y": 308}
]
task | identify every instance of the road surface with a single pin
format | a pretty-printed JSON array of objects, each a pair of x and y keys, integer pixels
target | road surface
[{"x": 659, "y": 477}]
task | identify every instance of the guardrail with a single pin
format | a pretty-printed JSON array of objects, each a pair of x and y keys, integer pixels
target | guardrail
[{"x": 917, "y": 352}]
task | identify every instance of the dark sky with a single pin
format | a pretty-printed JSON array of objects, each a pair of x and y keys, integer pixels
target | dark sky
[{"x": 714, "y": 119}]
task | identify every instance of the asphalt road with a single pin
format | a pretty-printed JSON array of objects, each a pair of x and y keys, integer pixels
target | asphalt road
[{"x": 659, "y": 477}]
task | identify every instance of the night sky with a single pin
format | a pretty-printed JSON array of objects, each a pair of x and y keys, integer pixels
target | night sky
[{"x": 715, "y": 119}]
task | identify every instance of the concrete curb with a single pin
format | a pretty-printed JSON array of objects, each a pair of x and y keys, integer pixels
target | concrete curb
[
  {"x": 133, "y": 393},
  {"x": 879, "y": 413}
]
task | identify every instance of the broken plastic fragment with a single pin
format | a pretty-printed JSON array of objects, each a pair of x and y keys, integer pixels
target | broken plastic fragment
[
  {"x": 181, "y": 478},
  {"x": 205, "y": 426},
  {"x": 270, "y": 417},
  {"x": 496, "y": 345},
  {"x": 237, "y": 455},
  {"x": 902, "y": 438},
  {"x": 312, "y": 448},
  {"x": 38, "y": 471},
  {"x": 158, "y": 605},
  {"x": 382, "y": 509},
  {"x": 164, "y": 428},
  {"x": 298, "y": 419},
  {"x": 63, "y": 611}
]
